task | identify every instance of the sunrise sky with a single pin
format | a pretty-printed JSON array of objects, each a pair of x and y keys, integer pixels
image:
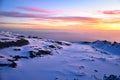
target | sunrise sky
[{"x": 73, "y": 15}]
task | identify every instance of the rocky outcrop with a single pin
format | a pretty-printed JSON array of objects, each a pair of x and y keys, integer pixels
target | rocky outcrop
[{"x": 20, "y": 42}]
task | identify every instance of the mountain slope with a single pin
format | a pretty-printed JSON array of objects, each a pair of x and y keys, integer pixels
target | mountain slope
[
  {"x": 107, "y": 47},
  {"x": 45, "y": 59}
]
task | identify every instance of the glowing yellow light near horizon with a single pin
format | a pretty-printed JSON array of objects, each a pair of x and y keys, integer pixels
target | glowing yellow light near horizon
[
  {"x": 105, "y": 26},
  {"x": 114, "y": 26},
  {"x": 61, "y": 23}
]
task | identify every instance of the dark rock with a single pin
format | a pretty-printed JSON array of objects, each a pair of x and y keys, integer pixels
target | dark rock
[
  {"x": 32, "y": 54},
  {"x": 29, "y": 36},
  {"x": 55, "y": 46},
  {"x": 96, "y": 70},
  {"x": 39, "y": 53},
  {"x": 13, "y": 64},
  {"x": 63, "y": 43},
  {"x": 58, "y": 42},
  {"x": 20, "y": 42},
  {"x": 16, "y": 49},
  {"x": 10, "y": 60},
  {"x": 2, "y": 65},
  {"x": 67, "y": 44},
  {"x": 5, "y": 39},
  {"x": 111, "y": 77},
  {"x": 52, "y": 46},
  {"x": 36, "y": 37},
  {"x": 85, "y": 42},
  {"x": 20, "y": 36},
  {"x": 44, "y": 52},
  {"x": 1, "y": 56},
  {"x": 76, "y": 79},
  {"x": 56, "y": 78},
  {"x": 19, "y": 57},
  {"x": 81, "y": 67}
]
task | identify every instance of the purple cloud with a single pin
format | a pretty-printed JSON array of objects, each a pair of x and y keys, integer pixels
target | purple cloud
[{"x": 19, "y": 15}]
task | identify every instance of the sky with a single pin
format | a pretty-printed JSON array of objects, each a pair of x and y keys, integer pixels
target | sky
[{"x": 74, "y": 15}]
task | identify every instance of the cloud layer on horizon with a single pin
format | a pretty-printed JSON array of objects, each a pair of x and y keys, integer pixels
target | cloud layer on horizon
[{"x": 56, "y": 17}]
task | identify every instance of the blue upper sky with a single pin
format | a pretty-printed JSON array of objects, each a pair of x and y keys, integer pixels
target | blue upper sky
[{"x": 62, "y": 4}]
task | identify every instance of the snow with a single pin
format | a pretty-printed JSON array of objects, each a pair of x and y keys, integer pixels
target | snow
[
  {"x": 107, "y": 47},
  {"x": 70, "y": 62},
  {"x": 7, "y": 37}
]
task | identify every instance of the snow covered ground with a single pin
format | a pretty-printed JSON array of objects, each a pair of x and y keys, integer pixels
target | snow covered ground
[
  {"x": 66, "y": 61},
  {"x": 107, "y": 47}
]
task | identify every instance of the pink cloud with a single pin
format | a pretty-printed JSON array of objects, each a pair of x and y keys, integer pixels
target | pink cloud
[
  {"x": 41, "y": 10},
  {"x": 111, "y": 12},
  {"x": 90, "y": 19}
]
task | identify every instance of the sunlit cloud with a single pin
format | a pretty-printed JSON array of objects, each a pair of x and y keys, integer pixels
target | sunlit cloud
[
  {"x": 104, "y": 20},
  {"x": 112, "y": 12},
  {"x": 41, "y": 10},
  {"x": 70, "y": 19}
]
